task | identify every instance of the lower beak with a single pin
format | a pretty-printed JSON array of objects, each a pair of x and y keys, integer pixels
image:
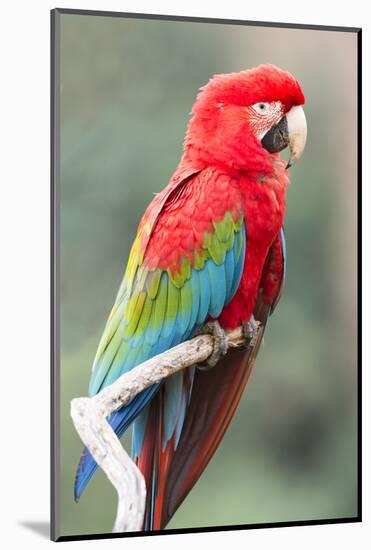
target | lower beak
[{"x": 290, "y": 132}]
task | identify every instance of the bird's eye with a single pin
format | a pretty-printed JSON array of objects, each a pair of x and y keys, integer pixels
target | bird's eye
[{"x": 261, "y": 108}]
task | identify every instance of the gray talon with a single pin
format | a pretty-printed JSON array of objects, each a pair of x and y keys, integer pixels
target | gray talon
[
  {"x": 220, "y": 344},
  {"x": 250, "y": 331}
]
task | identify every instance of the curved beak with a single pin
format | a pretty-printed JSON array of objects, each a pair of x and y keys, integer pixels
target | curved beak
[
  {"x": 290, "y": 132},
  {"x": 297, "y": 131}
]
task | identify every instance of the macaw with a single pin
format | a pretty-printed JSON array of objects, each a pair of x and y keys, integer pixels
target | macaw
[{"x": 210, "y": 248}]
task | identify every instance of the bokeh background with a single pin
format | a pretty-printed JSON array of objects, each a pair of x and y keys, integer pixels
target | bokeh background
[{"x": 127, "y": 87}]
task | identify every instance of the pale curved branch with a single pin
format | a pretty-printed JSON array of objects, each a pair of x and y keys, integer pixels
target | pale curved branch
[{"x": 89, "y": 417}]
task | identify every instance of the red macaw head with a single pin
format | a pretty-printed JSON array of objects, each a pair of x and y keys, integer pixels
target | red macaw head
[{"x": 242, "y": 120}]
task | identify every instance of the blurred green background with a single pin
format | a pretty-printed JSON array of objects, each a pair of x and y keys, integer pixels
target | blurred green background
[{"x": 127, "y": 87}]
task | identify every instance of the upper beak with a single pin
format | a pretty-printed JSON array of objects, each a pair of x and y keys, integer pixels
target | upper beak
[
  {"x": 297, "y": 130},
  {"x": 291, "y": 131}
]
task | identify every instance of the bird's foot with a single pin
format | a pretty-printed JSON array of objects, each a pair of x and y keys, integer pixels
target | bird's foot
[
  {"x": 250, "y": 331},
  {"x": 220, "y": 344}
]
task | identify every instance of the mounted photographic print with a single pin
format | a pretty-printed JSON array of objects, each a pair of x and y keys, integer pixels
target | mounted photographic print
[{"x": 204, "y": 274}]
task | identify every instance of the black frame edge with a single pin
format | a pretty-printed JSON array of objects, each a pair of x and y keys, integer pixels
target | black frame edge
[
  {"x": 191, "y": 19},
  {"x": 216, "y": 529},
  {"x": 54, "y": 277},
  {"x": 359, "y": 269}
]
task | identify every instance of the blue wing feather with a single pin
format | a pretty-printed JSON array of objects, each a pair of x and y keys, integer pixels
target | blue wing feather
[
  {"x": 239, "y": 259},
  {"x": 204, "y": 295},
  {"x": 218, "y": 285},
  {"x": 210, "y": 288}
]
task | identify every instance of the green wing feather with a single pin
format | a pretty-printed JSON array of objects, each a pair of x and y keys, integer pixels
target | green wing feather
[{"x": 156, "y": 309}]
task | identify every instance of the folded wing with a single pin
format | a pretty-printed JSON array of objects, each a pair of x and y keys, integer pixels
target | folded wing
[{"x": 182, "y": 269}]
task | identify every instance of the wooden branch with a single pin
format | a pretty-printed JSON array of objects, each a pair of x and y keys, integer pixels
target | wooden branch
[{"x": 89, "y": 417}]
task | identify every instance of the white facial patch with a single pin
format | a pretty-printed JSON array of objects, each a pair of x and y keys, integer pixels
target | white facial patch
[{"x": 263, "y": 115}]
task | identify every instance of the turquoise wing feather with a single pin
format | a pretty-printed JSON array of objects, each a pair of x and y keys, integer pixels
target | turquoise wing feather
[{"x": 156, "y": 309}]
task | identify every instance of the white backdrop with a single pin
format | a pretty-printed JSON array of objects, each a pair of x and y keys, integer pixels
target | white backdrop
[{"x": 24, "y": 230}]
